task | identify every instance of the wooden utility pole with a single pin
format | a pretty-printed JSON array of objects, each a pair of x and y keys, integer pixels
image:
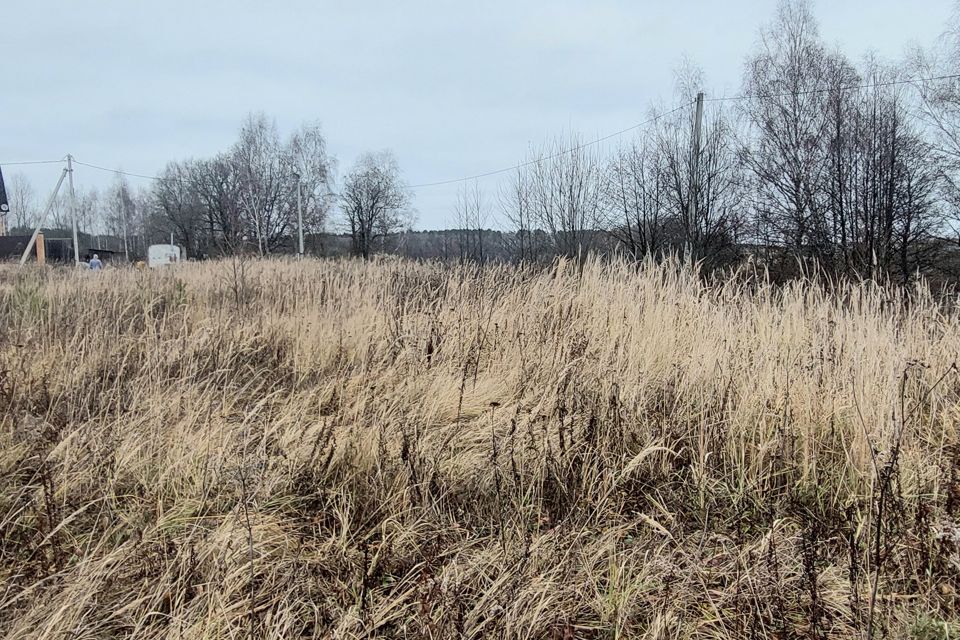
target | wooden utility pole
[
  {"x": 692, "y": 231},
  {"x": 41, "y": 249}
]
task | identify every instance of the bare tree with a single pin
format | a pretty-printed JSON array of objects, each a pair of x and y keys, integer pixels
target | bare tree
[
  {"x": 59, "y": 217},
  {"x": 374, "y": 200},
  {"x": 472, "y": 213},
  {"x": 649, "y": 182},
  {"x": 634, "y": 196},
  {"x": 787, "y": 106},
  {"x": 889, "y": 216},
  {"x": 516, "y": 208},
  {"x": 92, "y": 211},
  {"x": 175, "y": 206},
  {"x": 701, "y": 195},
  {"x": 140, "y": 223},
  {"x": 559, "y": 190},
  {"x": 938, "y": 109},
  {"x": 842, "y": 110},
  {"x": 120, "y": 212},
  {"x": 88, "y": 210},
  {"x": 24, "y": 209},
  {"x": 721, "y": 195},
  {"x": 919, "y": 214},
  {"x": 269, "y": 173},
  {"x": 248, "y": 195},
  {"x": 307, "y": 153},
  {"x": 842, "y": 172},
  {"x": 262, "y": 174},
  {"x": 217, "y": 187}
]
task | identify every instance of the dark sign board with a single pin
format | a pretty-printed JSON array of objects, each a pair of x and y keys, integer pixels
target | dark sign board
[{"x": 4, "y": 204}]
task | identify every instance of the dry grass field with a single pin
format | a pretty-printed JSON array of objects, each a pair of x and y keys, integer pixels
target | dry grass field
[{"x": 340, "y": 449}]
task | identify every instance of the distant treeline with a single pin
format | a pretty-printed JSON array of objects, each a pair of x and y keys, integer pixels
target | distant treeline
[{"x": 488, "y": 245}]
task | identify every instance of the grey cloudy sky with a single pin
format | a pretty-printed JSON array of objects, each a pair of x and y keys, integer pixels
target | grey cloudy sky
[{"x": 452, "y": 88}]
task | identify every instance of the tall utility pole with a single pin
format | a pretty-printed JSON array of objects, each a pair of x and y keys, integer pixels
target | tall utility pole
[
  {"x": 73, "y": 209},
  {"x": 122, "y": 203},
  {"x": 692, "y": 231},
  {"x": 299, "y": 218}
]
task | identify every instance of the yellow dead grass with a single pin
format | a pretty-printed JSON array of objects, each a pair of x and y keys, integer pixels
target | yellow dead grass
[{"x": 390, "y": 449}]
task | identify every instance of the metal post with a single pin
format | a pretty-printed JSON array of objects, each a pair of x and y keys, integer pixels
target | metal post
[
  {"x": 694, "y": 163},
  {"x": 299, "y": 218},
  {"x": 43, "y": 218},
  {"x": 122, "y": 210},
  {"x": 73, "y": 210}
]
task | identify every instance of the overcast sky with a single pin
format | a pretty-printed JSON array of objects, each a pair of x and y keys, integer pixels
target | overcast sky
[{"x": 452, "y": 89}]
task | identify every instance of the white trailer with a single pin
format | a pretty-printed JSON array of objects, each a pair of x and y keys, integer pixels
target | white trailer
[{"x": 160, "y": 255}]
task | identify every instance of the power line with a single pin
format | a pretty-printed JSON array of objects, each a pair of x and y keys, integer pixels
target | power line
[
  {"x": 452, "y": 180},
  {"x": 852, "y": 87},
  {"x": 121, "y": 172},
  {"x": 555, "y": 155},
  {"x": 6, "y": 164},
  {"x": 528, "y": 163}
]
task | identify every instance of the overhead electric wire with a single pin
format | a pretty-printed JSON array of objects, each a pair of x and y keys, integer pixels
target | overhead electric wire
[
  {"x": 452, "y": 180},
  {"x": 555, "y": 155},
  {"x": 558, "y": 154},
  {"x": 120, "y": 171},
  {"x": 852, "y": 87},
  {"x": 6, "y": 164}
]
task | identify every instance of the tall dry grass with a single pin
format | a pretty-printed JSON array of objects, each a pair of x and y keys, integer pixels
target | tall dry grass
[{"x": 346, "y": 449}]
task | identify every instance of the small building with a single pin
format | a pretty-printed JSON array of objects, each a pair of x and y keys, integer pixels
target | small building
[
  {"x": 59, "y": 246},
  {"x": 11, "y": 247}
]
